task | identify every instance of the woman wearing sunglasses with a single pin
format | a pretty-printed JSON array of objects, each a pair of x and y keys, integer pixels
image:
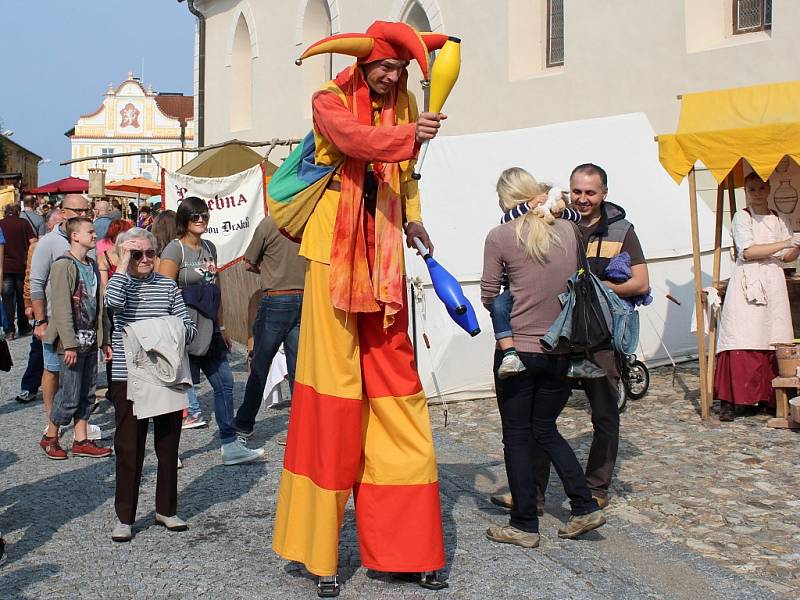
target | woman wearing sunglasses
[
  {"x": 192, "y": 262},
  {"x": 135, "y": 293}
]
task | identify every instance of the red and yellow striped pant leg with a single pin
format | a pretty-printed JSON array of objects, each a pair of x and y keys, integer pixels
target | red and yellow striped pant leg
[
  {"x": 398, "y": 513},
  {"x": 344, "y": 432},
  {"x": 323, "y": 445}
]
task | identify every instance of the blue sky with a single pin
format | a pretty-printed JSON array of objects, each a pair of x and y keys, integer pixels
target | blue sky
[{"x": 60, "y": 55}]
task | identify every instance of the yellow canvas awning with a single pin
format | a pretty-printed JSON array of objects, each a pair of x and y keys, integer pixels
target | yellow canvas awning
[{"x": 760, "y": 124}]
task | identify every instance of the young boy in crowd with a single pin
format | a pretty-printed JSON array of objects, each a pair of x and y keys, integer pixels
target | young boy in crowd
[{"x": 76, "y": 329}]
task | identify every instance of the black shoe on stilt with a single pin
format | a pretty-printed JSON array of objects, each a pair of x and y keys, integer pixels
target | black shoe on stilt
[
  {"x": 427, "y": 579},
  {"x": 328, "y": 586},
  {"x": 430, "y": 581}
]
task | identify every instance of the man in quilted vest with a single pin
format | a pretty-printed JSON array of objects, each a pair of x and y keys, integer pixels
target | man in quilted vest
[{"x": 606, "y": 233}]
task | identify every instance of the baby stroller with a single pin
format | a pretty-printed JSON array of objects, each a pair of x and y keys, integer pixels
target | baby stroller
[{"x": 634, "y": 379}]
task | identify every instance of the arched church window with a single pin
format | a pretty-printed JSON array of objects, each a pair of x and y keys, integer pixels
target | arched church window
[{"x": 241, "y": 103}]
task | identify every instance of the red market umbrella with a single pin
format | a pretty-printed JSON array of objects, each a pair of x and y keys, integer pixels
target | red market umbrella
[
  {"x": 137, "y": 185},
  {"x": 68, "y": 185}
]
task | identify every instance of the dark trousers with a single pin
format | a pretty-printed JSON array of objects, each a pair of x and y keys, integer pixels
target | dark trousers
[
  {"x": 13, "y": 302},
  {"x": 129, "y": 444},
  {"x": 529, "y": 404},
  {"x": 32, "y": 378},
  {"x": 278, "y": 321},
  {"x": 602, "y": 394}
]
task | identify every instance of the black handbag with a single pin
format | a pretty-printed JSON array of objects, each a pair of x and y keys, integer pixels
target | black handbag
[
  {"x": 5, "y": 357},
  {"x": 590, "y": 326}
]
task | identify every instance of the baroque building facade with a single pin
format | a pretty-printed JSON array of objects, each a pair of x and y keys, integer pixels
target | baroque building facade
[{"x": 134, "y": 119}]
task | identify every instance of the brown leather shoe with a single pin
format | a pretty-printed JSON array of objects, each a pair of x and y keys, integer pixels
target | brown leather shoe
[
  {"x": 502, "y": 500},
  {"x": 511, "y": 535},
  {"x": 506, "y": 501},
  {"x": 602, "y": 502},
  {"x": 580, "y": 524}
]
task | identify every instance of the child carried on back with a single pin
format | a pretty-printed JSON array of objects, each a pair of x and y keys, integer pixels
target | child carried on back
[{"x": 516, "y": 188}]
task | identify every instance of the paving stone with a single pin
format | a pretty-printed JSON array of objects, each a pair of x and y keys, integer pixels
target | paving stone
[{"x": 57, "y": 516}]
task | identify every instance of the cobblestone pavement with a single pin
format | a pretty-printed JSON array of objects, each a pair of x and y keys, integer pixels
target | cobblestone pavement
[
  {"x": 729, "y": 492},
  {"x": 699, "y": 511}
]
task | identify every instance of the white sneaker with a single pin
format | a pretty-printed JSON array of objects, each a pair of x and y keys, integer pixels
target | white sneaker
[
  {"x": 174, "y": 523},
  {"x": 93, "y": 432},
  {"x": 236, "y": 453},
  {"x": 61, "y": 431},
  {"x": 511, "y": 365},
  {"x": 121, "y": 533}
]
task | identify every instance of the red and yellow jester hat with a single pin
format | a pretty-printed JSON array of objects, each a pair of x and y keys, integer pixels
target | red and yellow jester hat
[{"x": 382, "y": 40}]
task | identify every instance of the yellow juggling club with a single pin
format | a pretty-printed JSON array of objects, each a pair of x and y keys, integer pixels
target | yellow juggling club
[{"x": 444, "y": 74}]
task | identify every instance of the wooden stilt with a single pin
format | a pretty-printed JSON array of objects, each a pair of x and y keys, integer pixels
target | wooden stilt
[
  {"x": 705, "y": 402},
  {"x": 712, "y": 326}
]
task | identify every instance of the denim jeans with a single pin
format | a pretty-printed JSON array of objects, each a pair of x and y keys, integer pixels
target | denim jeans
[
  {"x": 51, "y": 359},
  {"x": 194, "y": 403},
  {"x": 278, "y": 321},
  {"x": 529, "y": 404},
  {"x": 13, "y": 303},
  {"x": 500, "y": 312},
  {"x": 77, "y": 388},
  {"x": 219, "y": 375},
  {"x": 32, "y": 378}
]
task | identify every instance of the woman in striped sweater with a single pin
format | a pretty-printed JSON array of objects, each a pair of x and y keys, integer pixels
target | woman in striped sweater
[{"x": 134, "y": 293}]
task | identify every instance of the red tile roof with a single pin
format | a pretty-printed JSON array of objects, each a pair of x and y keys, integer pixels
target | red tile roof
[{"x": 177, "y": 107}]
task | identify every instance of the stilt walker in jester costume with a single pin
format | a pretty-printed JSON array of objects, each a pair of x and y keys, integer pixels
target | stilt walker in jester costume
[{"x": 359, "y": 419}]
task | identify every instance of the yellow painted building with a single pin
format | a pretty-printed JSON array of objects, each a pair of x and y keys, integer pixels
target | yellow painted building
[{"x": 131, "y": 119}]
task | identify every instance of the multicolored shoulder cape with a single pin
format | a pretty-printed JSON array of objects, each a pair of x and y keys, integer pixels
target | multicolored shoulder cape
[{"x": 296, "y": 187}]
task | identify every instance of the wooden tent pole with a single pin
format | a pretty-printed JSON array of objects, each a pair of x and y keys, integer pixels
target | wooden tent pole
[
  {"x": 712, "y": 326},
  {"x": 731, "y": 195},
  {"x": 705, "y": 403},
  {"x": 718, "y": 235}
]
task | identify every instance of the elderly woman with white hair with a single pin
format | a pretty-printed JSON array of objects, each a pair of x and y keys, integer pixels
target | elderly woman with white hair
[{"x": 136, "y": 293}]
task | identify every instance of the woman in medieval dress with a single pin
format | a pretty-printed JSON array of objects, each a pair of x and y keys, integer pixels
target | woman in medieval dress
[{"x": 755, "y": 315}]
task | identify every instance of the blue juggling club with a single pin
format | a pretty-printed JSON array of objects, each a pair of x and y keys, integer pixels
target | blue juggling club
[{"x": 450, "y": 293}]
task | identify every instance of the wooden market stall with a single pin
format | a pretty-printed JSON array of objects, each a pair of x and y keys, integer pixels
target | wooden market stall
[{"x": 720, "y": 128}]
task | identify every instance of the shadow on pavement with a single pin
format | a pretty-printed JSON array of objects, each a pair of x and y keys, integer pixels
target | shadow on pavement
[
  {"x": 7, "y": 459},
  {"x": 13, "y": 583},
  {"x": 12, "y": 406},
  {"x": 52, "y": 502},
  {"x": 217, "y": 485}
]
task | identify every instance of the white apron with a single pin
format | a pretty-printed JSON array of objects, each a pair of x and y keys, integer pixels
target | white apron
[{"x": 756, "y": 313}]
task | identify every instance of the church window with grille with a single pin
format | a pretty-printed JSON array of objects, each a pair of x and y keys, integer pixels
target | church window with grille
[
  {"x": 751, "y": 15},
  {"x": 555, "y": 33}
]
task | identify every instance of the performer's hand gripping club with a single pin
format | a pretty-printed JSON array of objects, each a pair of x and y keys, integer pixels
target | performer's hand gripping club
[{"x": 444, "y": 74}]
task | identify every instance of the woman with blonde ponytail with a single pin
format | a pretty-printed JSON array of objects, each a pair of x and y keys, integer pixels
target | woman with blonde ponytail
[
  {"x": 533, "y": 207},
  {"x": 537, "y": 253}
]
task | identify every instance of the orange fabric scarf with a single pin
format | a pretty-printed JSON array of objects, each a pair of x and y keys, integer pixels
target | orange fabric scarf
[{"x": 352, "y": 289}]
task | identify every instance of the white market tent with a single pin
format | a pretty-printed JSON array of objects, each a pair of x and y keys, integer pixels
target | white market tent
[{"x": 460, "y": 206}]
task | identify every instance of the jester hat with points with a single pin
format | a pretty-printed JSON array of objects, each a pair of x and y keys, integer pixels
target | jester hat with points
[{"x": 382, "y": 40}]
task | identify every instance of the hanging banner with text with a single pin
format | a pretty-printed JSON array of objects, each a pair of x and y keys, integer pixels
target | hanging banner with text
[{"x": 235, "y": 205}]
